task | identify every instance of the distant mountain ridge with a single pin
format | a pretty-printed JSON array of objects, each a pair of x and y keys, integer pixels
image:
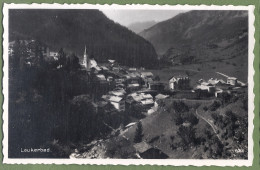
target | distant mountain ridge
[
  {"x": 138, "y": 27},
  {"x": 73, "y": 29}
]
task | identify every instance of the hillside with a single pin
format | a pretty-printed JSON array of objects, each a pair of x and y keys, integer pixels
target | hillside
[
  {"x": 192, "y": 129},
  {"x": 73, "y": 29},
  {"x": 202, "y": 36},
  {"x": 138, "y": 27},
  {"x": 196, "y": 27}
]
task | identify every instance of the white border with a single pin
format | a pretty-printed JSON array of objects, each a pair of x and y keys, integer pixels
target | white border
[{"x": 175, "y": 162}]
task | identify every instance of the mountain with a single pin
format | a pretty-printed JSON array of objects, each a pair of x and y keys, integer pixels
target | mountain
[
  {"x": 196, "y": 32},
  {"x": 73, "y": 29},
  {"x": 138, "y": 27}
]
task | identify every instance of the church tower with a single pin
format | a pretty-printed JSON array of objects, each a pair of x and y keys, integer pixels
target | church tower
[{"x": 86, "y": 62}]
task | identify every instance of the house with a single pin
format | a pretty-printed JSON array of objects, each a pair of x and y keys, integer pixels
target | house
[
  {"x": 161, "y": 96},
  {"x": 147, "y": 102},
  {"x": 133, "y": 87},
  {"x": 146, "y": 75},
  {"x": 179, "y": 83},
  {"x": 119, "y": 93},
  {"x": 232, "y": 81},
  {"x": 206, "y": 86},
  {"x": 133, "y": 80},
  {"x": 200, "y": 81},
  {"x": 144, "y": 99},
  {"x": 119, "y": 80},
  {"x": 117, "y": 102},
  {"x": 155, "y": 85},
  {"x": 132, "y": 69},
  {"x": 111, "y": 61},
  {"x": 110, "y": 78},
  {"x": 54, "y": 55},
  {"x": 146, "y": 151},
  {"x": 120, "y": 86},
  {"x": 216, "y": 82},
  {"x": 101, "y": 77},
  {"x": 140, "y": 96}
]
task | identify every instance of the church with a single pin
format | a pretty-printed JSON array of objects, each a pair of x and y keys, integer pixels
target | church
[
  {"x": 86, "y": 64},
  {"x": 96, "y": 86}
]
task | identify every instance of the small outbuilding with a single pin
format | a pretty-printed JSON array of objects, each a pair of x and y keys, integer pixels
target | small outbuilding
[{"x": 146, "y": 151}]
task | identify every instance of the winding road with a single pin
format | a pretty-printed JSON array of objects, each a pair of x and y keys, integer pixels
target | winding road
[{"x": 215, "y": 131}]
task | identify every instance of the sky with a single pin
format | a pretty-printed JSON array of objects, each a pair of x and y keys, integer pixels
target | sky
[{"x": 127, "y": 17}]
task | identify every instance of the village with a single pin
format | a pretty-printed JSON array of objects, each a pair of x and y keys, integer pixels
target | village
[
  {"x": 127, "y": 86},
  {"x": 123, "y": 87}
]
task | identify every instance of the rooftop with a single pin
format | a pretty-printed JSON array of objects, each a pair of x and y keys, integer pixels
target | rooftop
[
  {"x": 117, "y": 93},
  {"x": 147, "y": 101},
  {"x": 115, "y": 99},
  {"x": 161, "y": 96},
  {"x": 101, "y": 77},
  {"x": 111, "y": 61},
  {"x": 133, "y": 85}
]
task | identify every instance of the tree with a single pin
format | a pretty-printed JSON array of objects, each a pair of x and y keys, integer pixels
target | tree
[
  {"x": 187, "y": 134},
  {"x": 139, "y": 133},
  {"x": 180, "y": 106},
  {"x": 214, "y": 106}
]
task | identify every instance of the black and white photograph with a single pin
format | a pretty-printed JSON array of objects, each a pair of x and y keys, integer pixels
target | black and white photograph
[{"x": 126, "y": 83}]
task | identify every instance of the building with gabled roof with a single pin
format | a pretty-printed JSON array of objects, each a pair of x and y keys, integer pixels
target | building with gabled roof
[
  {"x": 117, "y": 102},
  {"x": 101, "y": 77},
  {"x": 179, "y": 83}
]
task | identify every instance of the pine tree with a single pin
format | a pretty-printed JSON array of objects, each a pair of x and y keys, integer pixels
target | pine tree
[{"x": 139, "y": 133}]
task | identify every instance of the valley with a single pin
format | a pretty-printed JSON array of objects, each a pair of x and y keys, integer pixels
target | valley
[{"x": 87, "y": 87}]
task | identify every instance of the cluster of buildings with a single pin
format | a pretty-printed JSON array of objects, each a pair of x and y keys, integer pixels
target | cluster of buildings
[
  {"x": 132, "y": 86},
  {"x": 125, "y": 86},
  {"x": 218, "y": 86}
]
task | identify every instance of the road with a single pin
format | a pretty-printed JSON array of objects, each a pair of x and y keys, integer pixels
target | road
[{"x": 210, "y": 125}]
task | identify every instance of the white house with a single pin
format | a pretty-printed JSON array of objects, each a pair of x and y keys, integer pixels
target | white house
[
  {"x": 111, "y": 61},
  {"x": 118, "y": 103},
  {"x": 101, "y": 77},
  {"x": 179, "y": 83}
]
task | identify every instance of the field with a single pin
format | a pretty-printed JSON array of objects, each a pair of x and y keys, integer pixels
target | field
[{"x": 203, "y": 71}]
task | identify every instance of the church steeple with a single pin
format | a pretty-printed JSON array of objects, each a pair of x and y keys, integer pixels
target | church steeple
[{"x": 86, "y": 61}]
